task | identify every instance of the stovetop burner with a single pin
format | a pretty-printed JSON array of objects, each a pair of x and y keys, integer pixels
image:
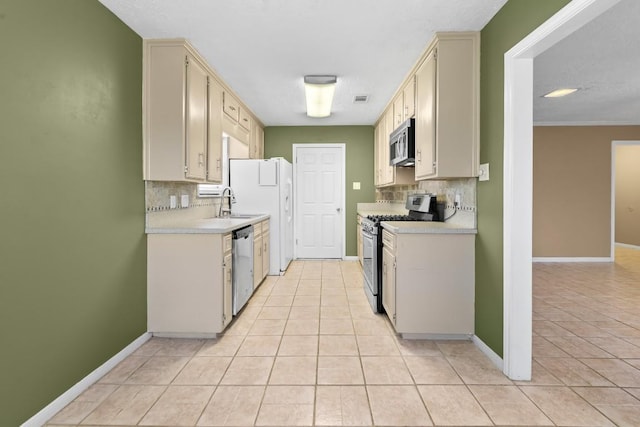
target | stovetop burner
[{"x": 380, "y": 218}]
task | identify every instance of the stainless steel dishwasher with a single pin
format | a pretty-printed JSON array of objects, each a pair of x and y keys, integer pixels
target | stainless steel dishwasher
[{"x": 242, "y": 253}]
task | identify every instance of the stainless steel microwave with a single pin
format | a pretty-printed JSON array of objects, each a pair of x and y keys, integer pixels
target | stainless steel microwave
[{"x": 402, "y": 147}]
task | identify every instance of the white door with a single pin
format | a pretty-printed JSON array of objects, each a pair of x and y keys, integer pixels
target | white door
[{"x": 319, "y": 198}]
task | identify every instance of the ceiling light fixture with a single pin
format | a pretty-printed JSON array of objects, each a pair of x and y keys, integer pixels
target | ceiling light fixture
[
  {"x": 558, "y": 93},
  {"x": 319, "y": 92}
]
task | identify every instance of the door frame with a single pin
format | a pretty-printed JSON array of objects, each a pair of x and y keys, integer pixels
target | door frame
[
  {"x": 518, "y": 178},
  {"x": 342, "y": 219},
  {"x": 614, "y": 145}
]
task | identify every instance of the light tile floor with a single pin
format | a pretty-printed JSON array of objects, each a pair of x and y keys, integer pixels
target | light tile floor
[{"x": 307, "y": 350}]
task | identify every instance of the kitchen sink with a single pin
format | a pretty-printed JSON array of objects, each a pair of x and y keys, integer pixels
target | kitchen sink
[{"x": 242, "y": 216}]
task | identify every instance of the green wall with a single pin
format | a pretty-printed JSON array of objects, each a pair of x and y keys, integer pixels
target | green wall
[
  {"x": 278, "y": 142},
  {"x": 72, "y": 246},
  {"x": 510, "y": 25}
]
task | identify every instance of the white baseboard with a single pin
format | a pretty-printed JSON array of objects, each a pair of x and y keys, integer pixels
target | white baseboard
[
  {"x": 68, "y": 396},
  {"x": 572, "y": 259},
  {"x": 625, "y": 245},
  {"x": 350, "y": 258},
  {"x": 492, "y": 355},
  {"x": 439, "y": 337}
]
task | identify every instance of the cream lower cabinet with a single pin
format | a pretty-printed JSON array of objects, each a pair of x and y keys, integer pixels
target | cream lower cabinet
[
  {"x": 266, "y": 252},
  {"x": 261, "y": 255},
  {"x": 428, "y": 285},
  {"x": 257, "y": 254},
  {"x": 189, "y": 288},
  {"x": 359, "y": 248}
]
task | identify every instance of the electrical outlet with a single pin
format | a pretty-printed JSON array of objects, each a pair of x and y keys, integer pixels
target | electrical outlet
[
  {"x": 457, "y": 201},
  {"x": 483, "y": 174},
  {"x": 184, "y": 201},
  {"x": 173, "y": 202}
]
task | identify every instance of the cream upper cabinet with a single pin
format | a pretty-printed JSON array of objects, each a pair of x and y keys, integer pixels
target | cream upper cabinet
[
  {"x": 186, "y": 108},
  {"x": 256, "y": 147},
  {"x": 398, "y": 110},
  {"x": 175, "y": 105},
  {"x": 404, "y": 103},
  {"x": 196, "y": 119},
  {"x": 409, "y": 99},
  {"x": 245, "y": 119},
  {"x": 231, "y": 106},
  {"x": 385, "y": 174},
  {"x": 447, "y": 108},
  {"x": 425, "y": 119},
  {"x": 214, "y": 148}
]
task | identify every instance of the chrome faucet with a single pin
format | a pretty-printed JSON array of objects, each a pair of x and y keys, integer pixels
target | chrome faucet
[{"x": 232, "y": 199}]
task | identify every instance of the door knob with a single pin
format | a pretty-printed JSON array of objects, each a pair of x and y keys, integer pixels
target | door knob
[{"x": 338, "y": 209}]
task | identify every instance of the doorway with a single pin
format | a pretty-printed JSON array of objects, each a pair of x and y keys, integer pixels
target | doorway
[
  {"x": 624, "y": 195},
  {"x": 319, "y": 220},
  {"x": 518, "y": 178}
]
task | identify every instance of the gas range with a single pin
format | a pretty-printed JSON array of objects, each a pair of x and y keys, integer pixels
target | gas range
[{"x": 371, "y": 223}]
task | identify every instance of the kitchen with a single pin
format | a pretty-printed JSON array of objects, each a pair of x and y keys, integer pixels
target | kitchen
[{"x": 117, "y": 209}]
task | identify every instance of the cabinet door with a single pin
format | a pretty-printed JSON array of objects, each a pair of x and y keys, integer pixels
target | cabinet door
[
  {"x": 359, "y": 241},
  {"x": 245, "y": 119},
  {"x": 214, "y": 147},
  {"x": 227, "y": 290},
  {"x": 257, "y": 261},
  {"x": 409, "y": 97},
  {"x": 398, "y": 111},
  {"x": 231, "y": 106},
  {"x": 376, "y": 152},
  {"x": 387, "y": 170},
  {"x": 389, "y": 283},
  {"x": 260, "y": 142},
  {"x": 265, "y": 254},
  {"x": 426, "y": 118},
  {"x": 196, "y": 119}
]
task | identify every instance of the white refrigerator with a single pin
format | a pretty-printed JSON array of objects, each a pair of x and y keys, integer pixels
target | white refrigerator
[{"x": 266, "y": 186}]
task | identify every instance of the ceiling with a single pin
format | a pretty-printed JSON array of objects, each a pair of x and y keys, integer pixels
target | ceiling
[
  {"x": 263, "y": 48},
  {"x": 602, "y": 59}
]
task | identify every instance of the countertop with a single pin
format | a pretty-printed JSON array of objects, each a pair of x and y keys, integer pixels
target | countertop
[
  {"x": 207, "y": 225},
  {"x": 426, "y": 227}
]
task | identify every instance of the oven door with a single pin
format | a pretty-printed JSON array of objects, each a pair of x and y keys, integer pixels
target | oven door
[{"x": 370, "y": 268}]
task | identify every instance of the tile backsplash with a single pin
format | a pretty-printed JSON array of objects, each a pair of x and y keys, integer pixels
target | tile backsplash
[
  {"x": 158, "y": 207},
  {"x": 445, "y": 191}
]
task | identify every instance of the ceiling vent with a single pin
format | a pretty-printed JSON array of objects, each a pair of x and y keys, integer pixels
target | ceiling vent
[{"x": 359, "y": 99}]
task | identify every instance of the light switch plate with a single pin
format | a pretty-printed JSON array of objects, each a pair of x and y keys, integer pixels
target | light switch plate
[
  {"x": 184, "y": 201},
  {"x": 356, "y": 185},
  {"x": 484, "y": 172}
]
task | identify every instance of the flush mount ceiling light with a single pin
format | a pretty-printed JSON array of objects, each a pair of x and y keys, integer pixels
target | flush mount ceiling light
[
  {"x": 319, "y": 92},
  {"x": 558, "y": 93}
]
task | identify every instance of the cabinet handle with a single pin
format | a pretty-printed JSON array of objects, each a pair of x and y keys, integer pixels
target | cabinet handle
[
  {"x": 232, "y": 108},
  {"x": 218, "y": 163},
  {"x": 419, "y": 153},
  {"x": 245, "y": 120},
  {"x": 201, "y": 159}
]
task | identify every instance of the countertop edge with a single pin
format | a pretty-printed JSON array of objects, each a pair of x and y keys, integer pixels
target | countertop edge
[
  {"x": 206, "y": 226},
  {"x": 427, "y": 227}
]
